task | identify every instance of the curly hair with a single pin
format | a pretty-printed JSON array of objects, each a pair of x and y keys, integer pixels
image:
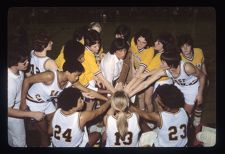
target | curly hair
[
  {"x": 146, "y": 34},
  {"x": 68, "y": 98},
  {"x": 170, "y": 95}
]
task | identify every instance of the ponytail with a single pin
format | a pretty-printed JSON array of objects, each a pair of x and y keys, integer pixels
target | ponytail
[{"x": 122, "y": 124}]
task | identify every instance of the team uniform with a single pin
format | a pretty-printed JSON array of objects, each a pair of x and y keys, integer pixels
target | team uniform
[
  {"x": 113, "y": 137},
  {"x": 37, "y": 63},
  {"x": 66, "y": 130},
  {"x": 16, "y": 128},
  {"x": 197, "y": 59},
  {"x": 111, "y": 67},
  {"x": 188, "y": 84},
  {"x": 60, "y": 59},
  {"x": 91, "y": 69},
  {"x": 173, "y": 130},
  {"x": 155, "y": 64},
  {"x": 39, "y": 96},
  {"x": 141, "y": 57}
]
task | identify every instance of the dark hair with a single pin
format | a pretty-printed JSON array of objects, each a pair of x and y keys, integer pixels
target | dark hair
[
  {"x": 91, "y": 37},
  {"x": 68, "y": 98},
  {"x": 123, "y": 30},
  {"x": 41, "y": 41},
  {"x": 167, "y": 40},
  {"x": 79, "y": 33},
  {"x": 146, "y": 34},
  {"x": 170, "y": 95},
  {"x": 171, "y": 58},
  {"x": 72, "y": 50},
  {"x": 73, "y": 66},
  {"x": 183, "y": 39},
  {"x": 117, "y": 44},
  {"x": 16, "y": 54}
]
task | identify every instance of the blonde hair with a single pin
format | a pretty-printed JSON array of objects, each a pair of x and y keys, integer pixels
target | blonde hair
[
  {"x": 95, "y": 26},
  {"x": 120, "y": 102}
]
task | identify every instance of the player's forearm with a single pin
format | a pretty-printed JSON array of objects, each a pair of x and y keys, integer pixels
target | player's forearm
[
  {"x": 106, "y": 83},
  {"x": 99, "y": 96},
  {"x": 144, "y": 84},
  {"x": 101, "y": 110},
  {"x": 24, "y": 92},
  {"x": 18, "y": 113}
]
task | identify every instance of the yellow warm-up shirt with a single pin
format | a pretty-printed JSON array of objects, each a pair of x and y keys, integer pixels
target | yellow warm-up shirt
[
  {"x": 143, "y": 57},
  {"x": 90, "y": 68},
  {"x": 197, "y": 59},
  {"x": 155, "y": 63},
  {"x": 60, "y": 59}
]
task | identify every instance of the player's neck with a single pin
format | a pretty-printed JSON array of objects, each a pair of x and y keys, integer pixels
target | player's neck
[
  {"x": 172, "y": 110},
  {"x": 63, "y": 79},
  {"x": 71, "y": 111},
  {"x": 41, "y": 54}
]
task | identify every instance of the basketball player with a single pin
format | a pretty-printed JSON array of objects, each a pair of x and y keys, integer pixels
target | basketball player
[
  {"x": 69, "y": 121},
  {"x": 172, "y": 119},
  {"x": 196, "y": 57},
  {"x": 39, "y": 61},
  {"x": 122, "y": 127},
  {"x": 17, "y": 63}
]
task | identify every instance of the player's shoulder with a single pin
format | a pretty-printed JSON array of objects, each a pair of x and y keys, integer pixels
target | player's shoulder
[{"x": 198, "y": 50}]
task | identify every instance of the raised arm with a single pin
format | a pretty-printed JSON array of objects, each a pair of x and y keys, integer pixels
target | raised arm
[
  {"x": 146, "y": 115},
  {"x": 135, "y": 82},
  {"x": 92, "y": 93},
  {"x": 147, "y": 82},
  {"x": 87, "y": 116},
  {"x": 106, "y": 83},
  {"x": 45, "y": 77}
]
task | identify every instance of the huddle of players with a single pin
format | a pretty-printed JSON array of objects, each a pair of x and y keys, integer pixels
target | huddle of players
[{"x": 128, "y": 70}]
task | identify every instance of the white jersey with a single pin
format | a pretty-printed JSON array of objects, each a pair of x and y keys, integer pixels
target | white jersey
[
  {"x": 173, "y": 131},
  {"x": 188, "y": 84},
  {"x": 42, "y": 93},
  {"x": 16, "y": 128},
  {"x": 113, "y": 137},
  {"x": 183, "y": 79},
  {"x": 37, "y": 64},
  {"x": 66, "y": 130},
  {"x": 111, "y": 67},
  {"x": 14, "y": 88}
]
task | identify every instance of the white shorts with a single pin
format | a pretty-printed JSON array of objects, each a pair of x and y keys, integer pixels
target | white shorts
[
  {"x": 85, "y": 138},
  {"x": 190, "y": 93},
  {"x": 47, "y": 108},
  {"x": 157, "y": 83},
  {"x": 147, "y": 138},
  {"x": 16, "y": 132}
]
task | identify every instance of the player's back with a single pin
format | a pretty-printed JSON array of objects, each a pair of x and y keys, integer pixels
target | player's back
[
  {"x": 66, "y": 130},
  {"x": 173, "y": 131},
  {"x": 131, "y": 139},
  {"x": 37, "y": 64}
]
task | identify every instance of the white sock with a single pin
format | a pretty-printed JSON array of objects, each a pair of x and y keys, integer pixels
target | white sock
[{"x": 197, "y": 117}]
